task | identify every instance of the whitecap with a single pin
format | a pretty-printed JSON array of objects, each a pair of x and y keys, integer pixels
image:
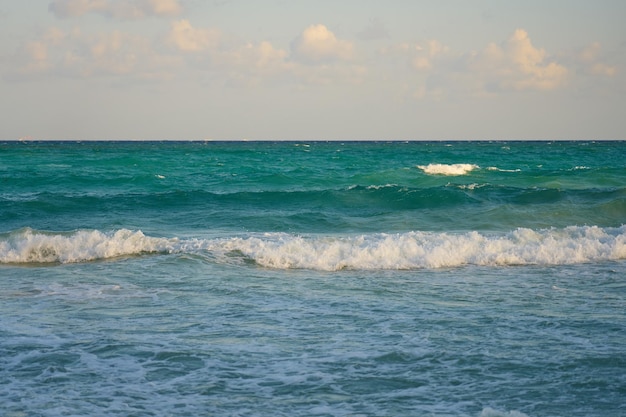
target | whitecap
[
  {"x": 503, "y": 170},
  {"x": 379, "y": 187},
  {"x": 447, "y": 169},
  {"x": 470, "y": 187},
  {"x": 379, "y": 251},
  {"x": 30, "y": 246},
  {"x": 417, "y": 250}
]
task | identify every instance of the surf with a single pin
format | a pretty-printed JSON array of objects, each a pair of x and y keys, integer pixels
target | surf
[
  {"x": 448, "y": 169},
  {"x": 375, "y": 251},
  {"x": 28, "y": 246}
]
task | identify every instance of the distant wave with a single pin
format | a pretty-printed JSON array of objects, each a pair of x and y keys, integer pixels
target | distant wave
[
  {"x": 445, "y": 169},
  {"x": 381, "y": 251},
  {"x": 503, "y": 170}
]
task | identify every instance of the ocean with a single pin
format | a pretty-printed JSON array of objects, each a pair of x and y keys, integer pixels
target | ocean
[{"x": 482, "y": 279}]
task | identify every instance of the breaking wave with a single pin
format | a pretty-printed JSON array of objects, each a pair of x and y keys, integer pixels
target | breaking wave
[
  {"x": 381, "y": 251},
  {"x": 445, "y": 169},
  {"x": 26, "y": 246}
]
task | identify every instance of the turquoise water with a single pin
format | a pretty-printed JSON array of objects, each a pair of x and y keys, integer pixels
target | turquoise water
[{"x": 321, "y": 278}]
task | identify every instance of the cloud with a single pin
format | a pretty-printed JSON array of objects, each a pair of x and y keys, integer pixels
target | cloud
[
  {"x": 421, "y": 68},
  {"x": 590, "y": 61},
  {"x": 428, "y": 69},
  {"x": 184, "y": 50},
  {"x": 75, "y": 54},
  {"x": 249, "y": 64},
  {"x": 118, "y": 9},
  {"x": 516, "y": 65},
  {"x": 115, "y": 53},
  {"x": 264, "y": 57},
  {"x": 320, "y": 58},
  {"x": 318, "y": 45},
  {"x": 434, "y": 70},
  {"x": 316, "y": 56},
  {"x": 186, "y": 38},
  {"x": 34, "y": 55},
  {"x": 240, "y": 63},
  {"x": 422, "y": 56}
]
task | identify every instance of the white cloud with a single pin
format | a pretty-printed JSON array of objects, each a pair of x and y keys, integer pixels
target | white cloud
[
  {"x": 251, "y": 63},
  {"x": 422, "y": 56},
  {"x": 81, "y": 55},
  {"x": 433, "y": 70},
  {"x": 318, "y": 45},
  {"x": 186, "y": 38},
  {"x": 320, "y": 58},
  {"x": 421, "y": 66},
  {"x": 119, "y": 9},
  {"x": 429, "y": 69},
  {"x": 240, "y": 63},
  {"x": 427, "y": 54},
  {"x": 600, "y": 68},
  {"x": 264, "y": 58},
  {"x": 34, "y": 55},
  {"x": 516, "y": 65},
  {"x": 164, "y": 7},
  {"x": 590, "y": 60},
  {"x": 185, "y": 50}
]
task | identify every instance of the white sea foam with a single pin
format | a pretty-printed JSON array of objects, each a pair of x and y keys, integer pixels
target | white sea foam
[
  {"x": 467, "y": 186},
  {"x": 447, "y": 169},
  {"x": 415, "y": 250},
  {"x": 380, "y": 187},
  {"x": 503, "y": 170},
  {"x": 410, "y": 250},
  {"x": 29, "y": 246}
]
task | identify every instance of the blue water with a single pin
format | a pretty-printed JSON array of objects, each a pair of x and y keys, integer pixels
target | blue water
[{"x": 483, "y": 279}]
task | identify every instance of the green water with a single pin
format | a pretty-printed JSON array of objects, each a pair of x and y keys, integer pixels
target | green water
[{"x": 312, "y": 279}]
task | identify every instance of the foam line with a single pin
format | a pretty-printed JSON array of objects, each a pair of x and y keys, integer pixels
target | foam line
[{"x": 410, "y": 250}]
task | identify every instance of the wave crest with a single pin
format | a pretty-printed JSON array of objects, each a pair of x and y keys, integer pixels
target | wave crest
[
  {"x": 447, "y": 169},
  {"x": 381, "y": 251},
  {"x": 29, "y": 246},
  {"x": 417, "y": 250}
]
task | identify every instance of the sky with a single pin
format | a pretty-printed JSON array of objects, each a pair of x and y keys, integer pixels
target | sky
[{"x": 313, "y": 70}]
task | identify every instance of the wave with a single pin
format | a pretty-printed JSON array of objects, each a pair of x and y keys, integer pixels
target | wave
[
  {"x": 503, "y": 170},
  {"x": 447, "y": 169},
  {"x": 380, "y": 251},
  {"x": 386, "y": 195},
  {"x": 27, "y": 246}
]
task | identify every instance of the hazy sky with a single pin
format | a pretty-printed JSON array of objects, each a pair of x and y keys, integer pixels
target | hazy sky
[{"x": 296, "y": 69}]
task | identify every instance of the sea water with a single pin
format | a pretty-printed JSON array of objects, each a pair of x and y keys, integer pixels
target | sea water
[{"x": 483, "y": 279}]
